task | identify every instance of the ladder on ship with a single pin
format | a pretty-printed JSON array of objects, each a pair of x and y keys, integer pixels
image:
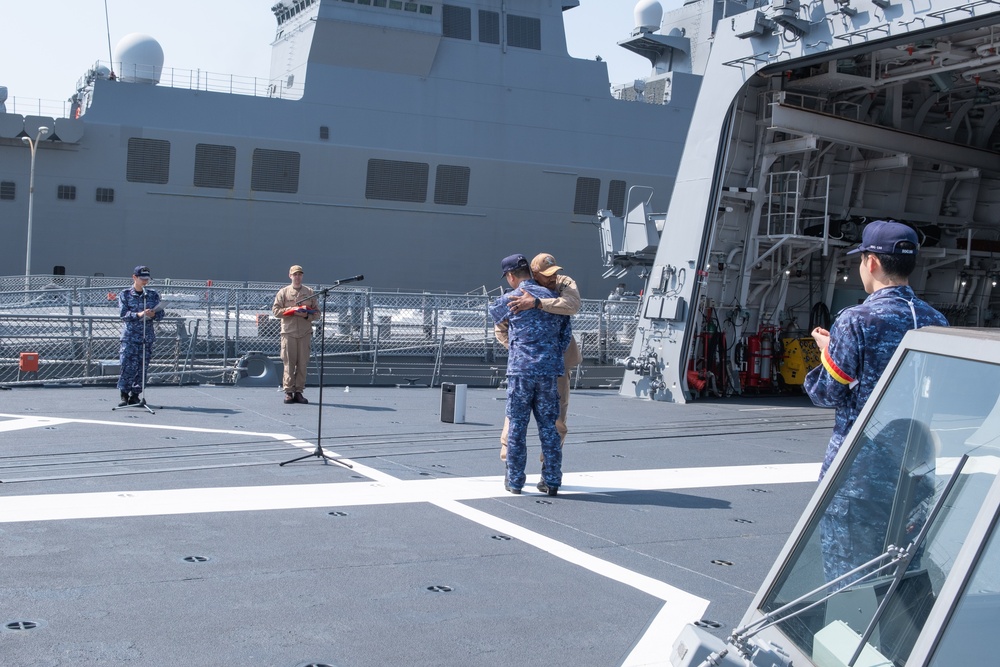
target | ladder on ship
[{"x": 794, "y": 223}]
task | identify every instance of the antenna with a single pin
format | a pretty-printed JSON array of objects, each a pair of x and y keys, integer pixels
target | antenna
[{"x": 107, "y": 24}]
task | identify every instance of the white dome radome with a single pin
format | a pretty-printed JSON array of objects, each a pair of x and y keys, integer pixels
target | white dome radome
[
  {"x": 648, "y": 15},
  {"x": 139, "y": 59}
]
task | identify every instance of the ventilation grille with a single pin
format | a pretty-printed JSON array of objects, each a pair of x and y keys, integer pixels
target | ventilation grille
[
  {"x": 397, "y": 181},
  {"x": 148, "y": 161},
  {"x": 456, "y": 22},
  {"x": 588, "y": 192},
  {"x": 524, "y": 32},
  {"x": 489, "y": 27},
  {"x": 7, "y": 190},
  {"x": 616, "y": 197},
  {"x": 214, "y": 166},
  {"x": 451, "y": 185},
  {"x": 275, "y": 171}
]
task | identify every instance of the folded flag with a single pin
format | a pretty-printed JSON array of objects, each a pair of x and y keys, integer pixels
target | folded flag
[{"x": 295, "y": 310}]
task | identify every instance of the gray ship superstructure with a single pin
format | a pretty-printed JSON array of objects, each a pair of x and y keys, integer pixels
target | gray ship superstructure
[
  {"x": 414, "y": 142},
  {"x": 811, "y": 121}
]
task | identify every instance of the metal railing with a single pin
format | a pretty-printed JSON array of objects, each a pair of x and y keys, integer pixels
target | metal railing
[
  {"x": 795, "y": 202},
  {"x": 167, "y": 77},
  {"x": 72, "y": 324},
  {"x": 33, "y": 106}
]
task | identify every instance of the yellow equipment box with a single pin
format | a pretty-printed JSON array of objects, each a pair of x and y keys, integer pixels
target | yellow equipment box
[{"x": 800, "y": 356}]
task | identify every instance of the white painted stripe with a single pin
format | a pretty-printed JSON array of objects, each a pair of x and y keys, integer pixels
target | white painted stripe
[
  {"x": 656, "y": 643},
  {"x": 689, "y": 478},
  {"x": 641, "y": 582},
  {"x": 21, "y": 422},
  {"x": 680, "y": 607},
  {"x": 48, "y": 421},
  {"x": 383, "y": 491}
]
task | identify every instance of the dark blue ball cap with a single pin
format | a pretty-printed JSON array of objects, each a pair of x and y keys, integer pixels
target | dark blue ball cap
[
  {"x": 512, "y": 263},
  {"x": 888, "y": 237},
  {"x": 141, "y": 271}
]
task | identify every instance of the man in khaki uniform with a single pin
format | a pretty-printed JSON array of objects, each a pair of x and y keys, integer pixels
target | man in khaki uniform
[
  {"x": 546, "y": 273},
  {"x": 296, "y": 330}
]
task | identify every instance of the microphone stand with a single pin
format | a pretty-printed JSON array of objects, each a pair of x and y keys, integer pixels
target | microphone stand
[
  {"x": 142, "y": 401},
  {"x": 318, "y": 452}
]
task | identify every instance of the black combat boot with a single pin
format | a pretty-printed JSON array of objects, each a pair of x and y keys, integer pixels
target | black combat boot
[{"x": 124, "y": 400}]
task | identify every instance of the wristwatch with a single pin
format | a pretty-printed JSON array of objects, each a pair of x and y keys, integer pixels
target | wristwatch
[{"x": 538, "y": 302}]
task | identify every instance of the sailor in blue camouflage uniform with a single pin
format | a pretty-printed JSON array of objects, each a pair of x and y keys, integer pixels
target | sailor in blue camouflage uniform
[
  {"x": 854, "y": 354},
  {"x": 138, "y": 308},
  {"x": 537, "y": 342}
]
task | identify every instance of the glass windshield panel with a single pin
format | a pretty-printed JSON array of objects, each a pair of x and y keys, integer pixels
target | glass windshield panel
[
  {"x": 966, "y": 639},
  {"x": 934, "y": 410}
]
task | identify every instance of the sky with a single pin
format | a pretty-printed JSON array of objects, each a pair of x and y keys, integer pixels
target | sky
[{"x": 45, "y": 52}]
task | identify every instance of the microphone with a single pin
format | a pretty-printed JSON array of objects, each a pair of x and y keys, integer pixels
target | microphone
[{"x": 352, "y": 279}]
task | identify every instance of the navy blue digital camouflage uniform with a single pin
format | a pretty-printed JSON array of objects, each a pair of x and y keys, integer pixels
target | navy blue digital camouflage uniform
[
  {"x": 130, "y": 306},
  {"x": 535, "y": 361},
  {"x": 862, "y": 341}
]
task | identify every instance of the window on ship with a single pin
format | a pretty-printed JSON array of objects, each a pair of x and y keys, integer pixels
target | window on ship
[
  {"x": 275, "y": 171},
  {"x": 395, "y": 180},
  {"x": 588, "y": 192},
  {"x": 616, "y": 197},
  {"x": 451, "y": 185},
  {"x": 456, "y": 22},
  {"x": 489, "y": 27},
  {"x": 148, "y": 161},
  {"x": 214, "y": 166},
  {"x": 524, "y": 32}
]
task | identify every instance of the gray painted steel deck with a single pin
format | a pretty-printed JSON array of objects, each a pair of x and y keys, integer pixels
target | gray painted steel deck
[{"x": 320, "y": 564}]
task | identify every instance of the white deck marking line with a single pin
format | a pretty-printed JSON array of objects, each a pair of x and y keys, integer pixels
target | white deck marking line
[
  {"x": 20, "y": 422},
  {"x": 385, "y": 490},
  {"x": 655, "y": 645},
  {"x": 679, "y": 609},
  {"x": 48, "y": 421}
]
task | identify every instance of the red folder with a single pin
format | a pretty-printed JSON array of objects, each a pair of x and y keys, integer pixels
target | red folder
[{"x": 295, "y": 310}]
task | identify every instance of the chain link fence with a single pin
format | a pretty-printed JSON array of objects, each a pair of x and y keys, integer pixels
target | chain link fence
[{"x": 211, "y": 330}]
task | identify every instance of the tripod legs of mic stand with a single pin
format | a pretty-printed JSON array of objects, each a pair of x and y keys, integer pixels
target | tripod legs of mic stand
[
  {"x": 318, "y": 453},
  {"x": 141, "y": 404}
]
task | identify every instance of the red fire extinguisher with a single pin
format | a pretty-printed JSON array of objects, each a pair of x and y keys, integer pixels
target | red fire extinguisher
[
  {"x": 760, "y": 356},
  {"x": 753, "y": 361}
]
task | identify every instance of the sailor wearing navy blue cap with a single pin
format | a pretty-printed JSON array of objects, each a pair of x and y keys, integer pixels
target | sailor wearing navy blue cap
[
  {"x": 853, "y": 355},
  {"x": 138, "y": 307},
  {"x": 537, "y": 342}
]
